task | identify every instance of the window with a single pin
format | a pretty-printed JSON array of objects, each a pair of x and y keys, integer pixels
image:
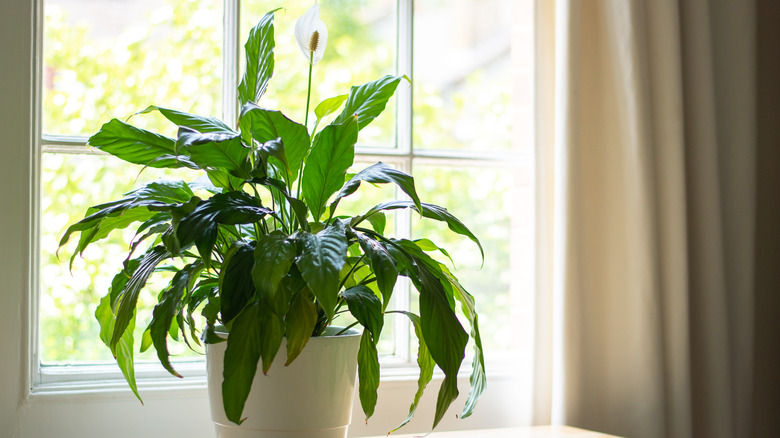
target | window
[{"x": 464, "y": 130}]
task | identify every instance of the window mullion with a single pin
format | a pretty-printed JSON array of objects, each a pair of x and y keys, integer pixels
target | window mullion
[{"x": 230, "y": 60}]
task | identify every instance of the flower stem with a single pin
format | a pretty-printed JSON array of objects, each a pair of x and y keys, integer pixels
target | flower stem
[{"x": 306, "y": 119}]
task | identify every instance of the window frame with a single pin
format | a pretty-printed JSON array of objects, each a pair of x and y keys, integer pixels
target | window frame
[{"x": 64, "y": 406}]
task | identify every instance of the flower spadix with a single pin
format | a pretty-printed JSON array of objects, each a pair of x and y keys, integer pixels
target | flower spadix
[{"x": 311, "y": 34}]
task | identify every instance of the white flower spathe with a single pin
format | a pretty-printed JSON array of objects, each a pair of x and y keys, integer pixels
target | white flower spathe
[{"x": 311, "y": 34}]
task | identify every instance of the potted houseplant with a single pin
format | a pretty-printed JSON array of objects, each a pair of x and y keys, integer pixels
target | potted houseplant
[{"x": 258, "y": 248}]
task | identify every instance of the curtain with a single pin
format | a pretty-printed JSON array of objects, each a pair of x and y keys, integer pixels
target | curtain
[{"x": 646, "y": 217}]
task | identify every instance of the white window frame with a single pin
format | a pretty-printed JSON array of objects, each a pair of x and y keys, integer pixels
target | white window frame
[{"x": 64, "y": 404}]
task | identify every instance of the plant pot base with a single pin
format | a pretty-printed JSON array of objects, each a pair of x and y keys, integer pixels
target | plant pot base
[{"x": 228, "y": 431}]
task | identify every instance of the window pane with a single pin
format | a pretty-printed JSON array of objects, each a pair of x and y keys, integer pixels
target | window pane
[
  {"x": 361, "y": 48},
  {"x": 105, "y": 59},
  {"x": 496, "y": 205},
  {"x": 71, "y": 183},
  {"x": 463, "y": 75}
]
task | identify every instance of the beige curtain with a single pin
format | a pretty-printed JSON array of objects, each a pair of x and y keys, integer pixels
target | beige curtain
[{"x": 646, "y": 216}]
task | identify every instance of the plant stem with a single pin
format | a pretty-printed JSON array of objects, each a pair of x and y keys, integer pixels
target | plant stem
[
  {"x": 346, "y": 328},
  {"x": 306, "y": 121}
]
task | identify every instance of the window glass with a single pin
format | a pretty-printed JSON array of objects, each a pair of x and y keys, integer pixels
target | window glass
[
  {"x": 463, "y": 75},
  {"x": 112, "y": 58}
]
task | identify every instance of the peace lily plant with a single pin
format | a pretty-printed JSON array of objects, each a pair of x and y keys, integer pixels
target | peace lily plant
[{"x": 257, "y": 246}]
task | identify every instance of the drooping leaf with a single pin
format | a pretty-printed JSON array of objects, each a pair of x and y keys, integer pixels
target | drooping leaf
[
  {"x": 123, "y": 350},
  {"x": 380, "y": 173},
  {"x": 448, "y": 392},
  {"x": 133, "y": 145},
  {"x": 200, "y": 226},
  {"x": 332, "y": 153},
  {"x": 266, "y": 125},
  {"x": 321, "y": 259},
  {"x": 429, "y": 211},
  {"x": 367, "y": 101},
  {"x": 259, "y": 49},
  {"x": 424, "y": 362},
  {"x": 299, "y": 323},
  {"x": 368, "y": 374},
  {"x": 128, "y": 297},
  {"x": 241, "y": 358},
  {"x": 366, "y": 308},
  {"x": 167, "y": 308},
  {"x": 271, "y": 335},
  {"x": 235, "y": 280},
  {"x": 478, "y": 378},
  {"x": 382, "y": 265},
  {"x": 273, "y": 256},
  {"x": 192, "y": 121}
]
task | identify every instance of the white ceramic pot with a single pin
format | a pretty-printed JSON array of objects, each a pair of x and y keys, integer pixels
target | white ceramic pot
[{"x": 310, "y": 398}]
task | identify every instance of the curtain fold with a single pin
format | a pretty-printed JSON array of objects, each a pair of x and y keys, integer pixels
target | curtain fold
[{"x": 646, "y": 211}]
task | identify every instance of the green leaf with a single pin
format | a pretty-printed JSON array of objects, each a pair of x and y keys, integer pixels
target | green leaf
[
  {"x": 273, "y": 256},
  {"x": 300, "y": 322},
  {"x": 429, "y": 211},
  {"x": 235, "y": 280},
  {"x": 380, "y": 173},
  {"x": 271, "y": 335},
  {"x": 133, "y": 144},
  {"x": 167, "y": 308},
  {"x": 329, "y": 106},
  {"x": 321, "y": 259},
  {"x": 192, "y": 121},
  {"x": 478, "y": 378},
  {"x": 217, "y": 151},
  {"x": 382, "y": 265},
  {"x": 259, "y": 49},
  {"x": 424, "y": 362},
  {"x": 331, "y": 155},
  {"x": 448, "y": 392},
  {"x": 123, "y": 349},
  {"x": 367, "y": 101},
  {"x": 366, "y": 308},
  {"x": 378, "y": 222},
  {"x": 241, "y": 358},
  {"x": 128, "y": 297},
  {"x": 200, "y": 226},
  {"x": 266, "y": 125},
  {"x": 368, "y": 374}
]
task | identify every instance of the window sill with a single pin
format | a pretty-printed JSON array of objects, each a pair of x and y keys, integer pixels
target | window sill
[{"x": 518, "y": 432}]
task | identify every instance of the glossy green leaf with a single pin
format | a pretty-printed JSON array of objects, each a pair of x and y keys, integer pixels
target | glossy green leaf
[
  {"x": 321, "y": 259},
  {"x": 382, "y": 264},
  {"x": 300, "y": 321},
  {"x": 266, "y": 125},
  {"x": 424, "y": 362},
  {"x": 271, "y": 335},
  {"x": 478, "y": 378},
  {"x": 167, "y": 308},
  {"x": 132, "y": 144},
  {"x": 123, "y": 349},
  {"x": 378, "y": 222},
  {"x": 380, "y": 173},
  {"x": 192, "y": 121},
  {"x": 448, "y": 392},
  {"x": 200, "y": 226},
  {"x": 368, "y": 374},
  {"x": 236, "y": 288},
  {"x": 241, "y": 358},
  {"x": 366, "y": 308},
  {"x": 218, "y": 151},
  {"x": 259, "y": 50},
  {"x": 367, "y": 101},
  {"x": 273, "y": 256},
  {"x": 332, "y": 153},
  {"x": 128, "y": 297},
  {"x": 429, "y": 211}
]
